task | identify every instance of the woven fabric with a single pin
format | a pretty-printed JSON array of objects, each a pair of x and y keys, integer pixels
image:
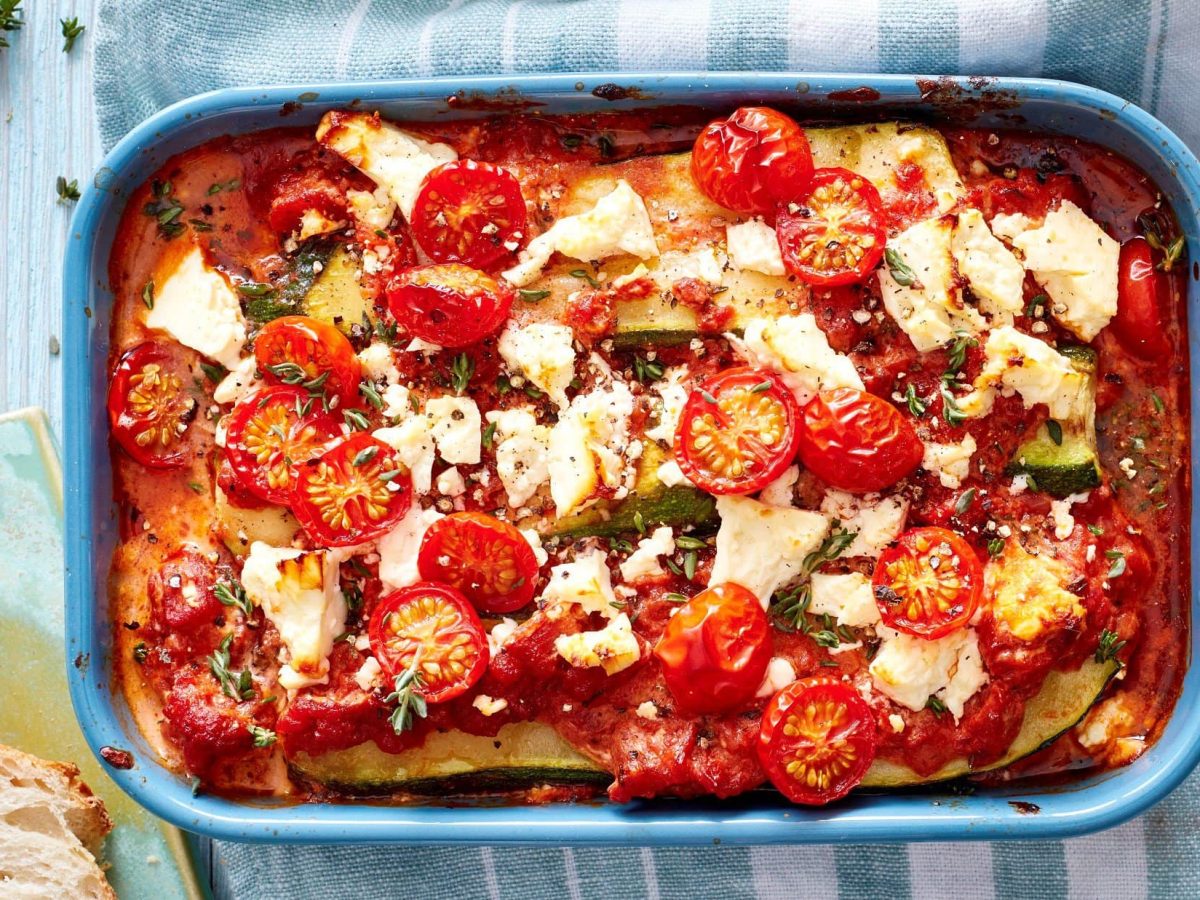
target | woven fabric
[{"x": 1143, "y": 50}]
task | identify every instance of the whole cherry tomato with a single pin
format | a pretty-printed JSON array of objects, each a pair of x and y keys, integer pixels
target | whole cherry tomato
[
  {"x": 715, "y": 650},
  {"x": 834, "y": 234},
  {"x": 928, "y": 583},
  {"x": 1138, "y": 323},
  {"x": 467, "y": 212},
  {"x": 753, "y": 161},
  {"x": 738, "y": 431},
  {"x": 817, "y": 740},
  {"x": 437, "y": 627},
  {"x": 271, "y": 432},
  {"x": 451, "y": 305},
  {"x": 489, "y": 561},
  {"x": 857, "y": 442},
  {"x": 304, "y": 352},
  {"x": 149, "y": 407},
  {"x": 355, "y": 491}
]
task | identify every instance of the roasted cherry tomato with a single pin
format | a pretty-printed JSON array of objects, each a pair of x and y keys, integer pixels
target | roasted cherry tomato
[
  {"x": 928, "y": 583},
  {"x": 835, "y": 235},
  {"x": 149, "y": 407},
  {"x": 270, "y": 433},
  {"x": 437, "y": 625},
  {"x": 1138, "y": 324},
  {"x": 181, "y": 592},
  {"x": 738, "y": 431},
  {"x": 309, "y": 193},
  {"x": 753, "y": 161},
  {"x": 451, "y": 305},
  {"x": 305, "y": 352},
  {"x": 715, "y": 650},
  {"x": 817, "y": 740},
  {"x": 857, "y": 442},
  {"x": 353, "y": 492},
  {"x": 488, "y": 560},
  {"x": 466, "y": 212}
]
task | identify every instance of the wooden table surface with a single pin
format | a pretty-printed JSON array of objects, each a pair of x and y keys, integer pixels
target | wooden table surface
[{"x": 47, "y": 128}]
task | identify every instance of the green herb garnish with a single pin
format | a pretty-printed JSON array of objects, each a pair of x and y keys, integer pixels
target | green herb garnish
[{"x": 71, "y": 30}]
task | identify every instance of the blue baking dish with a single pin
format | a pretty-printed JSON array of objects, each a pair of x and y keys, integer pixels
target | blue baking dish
[{"x": 761, "y": 818}]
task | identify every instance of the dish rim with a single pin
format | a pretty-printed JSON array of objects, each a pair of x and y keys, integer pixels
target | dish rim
[{"x": 1091, "y": 804}]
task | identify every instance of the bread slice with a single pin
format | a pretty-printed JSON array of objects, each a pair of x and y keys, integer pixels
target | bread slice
[{"x": 51, "y": 829}]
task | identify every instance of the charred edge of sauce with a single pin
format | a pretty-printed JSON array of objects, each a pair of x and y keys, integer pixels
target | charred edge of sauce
[
  {"x": 1024, "y": 807},
  {"x": 862, "y": 94},
  {"x": 504, "y": 100},
  {"x": 117, "y": 758},
  {"x": 952, "y": 100},
  {"x": 289, "y": 108},
  {"x": 612, "y": 92},
  {"x": 81, "y": 661}
]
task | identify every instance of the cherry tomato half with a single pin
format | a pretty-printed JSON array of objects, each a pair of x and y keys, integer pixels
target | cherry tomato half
[
  {"x": 836, "y": 233},
  {"x": 438, "y": 623},
  {"x": 488, "y": 560},
  {"x": 715, "y": 650},
  {"x": 466, "y": 212},
  {"x": 928, "y": 583},
  {"x": 753, "y": 161},
  {"x": 270, "y": 433},
  {"x": 305, "y": 352},
  {"x": 1138, "y": 322},
  {"x": 857, "y": 442},
  {"x": 738, "y": 431},
  {"x": 149, "y": 407},
  {"x": 353, "y": 492},
  {"x": 451, "y": 304},
  {"x": 817, "y": 740}
]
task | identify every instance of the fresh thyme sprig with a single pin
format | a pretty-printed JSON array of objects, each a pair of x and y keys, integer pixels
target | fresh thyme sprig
[
  {"x": 240, "y": 685},
  {"x": 71, "y": 29},
  {"x": 791, "y": 607},
  {"x": 407, "y": 697},
  {"x": 231, "y": 593}
]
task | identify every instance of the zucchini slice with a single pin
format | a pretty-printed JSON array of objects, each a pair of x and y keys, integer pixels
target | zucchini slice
[
  {"x": 1067, "y": 461},
  {"x": 335, "y": 296},
  {"x": 528, "y": 754},
  {"x": 1063, "y": 701},
  {"x": 520, "y": 756},
  {"x": 239, "y": 527},
  {"x": 651, "y": 502}
]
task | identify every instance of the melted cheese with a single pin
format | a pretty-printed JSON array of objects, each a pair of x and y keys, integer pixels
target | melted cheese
[
  {"x": 588, "y": 446},
  {"x": 796, "y": 348},
  {"x": 586, "y": 582},
  {"x": 195, "y": 304},
  {"x": 909, "y": 670},
  {"x": 1029, "y": 593},
  {"x": 398, "y": 549},
  {"x": 542, "y": 352},
  {"x": 754, "y": 246},
  {"x": 849, "y": 598},
  {"x": 522, "y": 452},
  {"x": 613, "y": 648},
  {"x": 876, "y": 521},
  {"x": 1037, "y": 371},
  {"x": 996, "y": 277}
]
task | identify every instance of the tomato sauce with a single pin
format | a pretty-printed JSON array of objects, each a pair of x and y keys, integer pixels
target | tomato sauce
[{"x": 246, "y": 191}]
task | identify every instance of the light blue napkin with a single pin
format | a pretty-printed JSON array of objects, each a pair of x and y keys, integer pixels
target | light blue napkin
[{"x": 151, "y": 53}]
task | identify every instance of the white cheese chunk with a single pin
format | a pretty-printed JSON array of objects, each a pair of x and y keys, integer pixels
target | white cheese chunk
[
  {"x": 672, "y": 398},
  {"x": 930, "y": 310},
  {"x": 614, "y": 647},
  {"x": 910, "y": 670},
  {"x": 392, "y": 158},
  {"x": 643, "y": 562},
  {"x": 369, "y": 674},
  {"x": 414, "y": 448},
  {"x": 1037, "y": 371},
  {"x": 996, "y": 277},
  {"x": 378, "y": 363},
  {"x": 754, "y": 246},
  {"x": 617, "y": 224},
  {"x": 1076, "y": 262},
  {"x": 780, "y": 673},
  {"x": 451, "y": 483},
  {"x": 456, "y": 428},
  {"x": 876, "y": 521},
  {"x": 501, "y": 633},
  {"x": 763, "y": 547},
  {"x": 670, "y": 474},
  {"x": 196, "y": 305},
  {"x": 522, "y": 452},
  {"x": 796, "y": 348},
  {"x": 586, "y": 582},
  {"x": 542, "y": 352},
  {"x": 588, "y": 446},
  {"x": 535, "y": 541},
  {"x": 951, "y": 462},
  {"x": 298, "y": 592},
  {"x": 849, "y": 598},
  {"x": 375, "y": 209},
  {"x": 489, "y": 706},
  {"x": 1009, "y": 225},
  {"x": 241, "y": 380},
  {"x": 780, "y": 491},
  {"x": 398, "y": 549},
  {"x": 647, "y": 710},
  {"x": 1060, "y": 514}
]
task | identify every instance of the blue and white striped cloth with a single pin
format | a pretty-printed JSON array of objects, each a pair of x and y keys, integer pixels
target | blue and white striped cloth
[{"x": 151, "y": 53}]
